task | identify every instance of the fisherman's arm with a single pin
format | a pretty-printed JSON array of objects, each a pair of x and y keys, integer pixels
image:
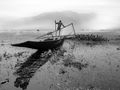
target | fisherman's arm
[{"x": 63, "y": 25}]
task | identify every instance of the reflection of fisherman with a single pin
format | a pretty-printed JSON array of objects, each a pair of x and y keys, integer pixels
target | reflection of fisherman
[{"x": 59, "y": 26}]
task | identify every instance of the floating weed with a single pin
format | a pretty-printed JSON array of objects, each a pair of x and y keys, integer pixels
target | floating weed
[{"x": 68, "y": 62}]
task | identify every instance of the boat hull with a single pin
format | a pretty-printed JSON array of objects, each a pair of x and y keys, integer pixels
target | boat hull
[{"x": 41, "y": 45}]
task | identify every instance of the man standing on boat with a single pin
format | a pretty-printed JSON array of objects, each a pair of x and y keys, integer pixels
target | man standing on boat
[{"x": 59, "y": 26}]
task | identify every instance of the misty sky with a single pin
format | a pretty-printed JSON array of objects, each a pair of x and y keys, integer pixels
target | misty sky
[{"x": 107, "y": 11}]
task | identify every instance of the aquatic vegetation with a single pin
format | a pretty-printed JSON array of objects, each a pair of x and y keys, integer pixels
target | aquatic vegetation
[{"x": 90, "y": 37}]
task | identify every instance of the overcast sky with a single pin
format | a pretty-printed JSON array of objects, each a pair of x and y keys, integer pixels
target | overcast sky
[
  {"x": 24, "y": 8},
  {"x": 108, "y": 11}
]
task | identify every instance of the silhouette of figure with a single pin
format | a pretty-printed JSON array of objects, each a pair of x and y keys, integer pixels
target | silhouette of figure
[{"x": 59, "y": 26}]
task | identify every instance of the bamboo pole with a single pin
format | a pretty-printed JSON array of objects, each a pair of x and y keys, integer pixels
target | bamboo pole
[
  {"x": 55, "y": 29},
  {"x": 73, "y": 29}
]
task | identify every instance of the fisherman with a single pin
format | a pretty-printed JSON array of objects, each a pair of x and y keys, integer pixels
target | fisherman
[{"x": 59, "y": 26}]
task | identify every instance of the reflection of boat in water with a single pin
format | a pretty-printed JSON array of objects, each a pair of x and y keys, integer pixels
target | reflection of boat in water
[{"x": 41, "y": 45}]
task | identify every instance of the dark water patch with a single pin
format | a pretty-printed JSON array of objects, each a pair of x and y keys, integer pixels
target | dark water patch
[
  {"x": 118, "y": 48},
  {"x": 118, "y": 66},
  {"x": 19, "y": 54},
  {"x": 0, "y": 58},
  {"x": 91, "y": 87},
  {"x": 75, "y": 64},
  {"x": 62, "y": 71},
  {"x": 57, "y": 56},
  {"x": 5, "y": 81},
  {"x": 6, "y": 56}
]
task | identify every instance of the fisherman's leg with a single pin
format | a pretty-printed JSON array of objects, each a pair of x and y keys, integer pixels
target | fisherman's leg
[{"x": 60, "y": 34}]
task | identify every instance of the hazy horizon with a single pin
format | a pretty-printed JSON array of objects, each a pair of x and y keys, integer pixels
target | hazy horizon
[{"x": 87, "y": 15}]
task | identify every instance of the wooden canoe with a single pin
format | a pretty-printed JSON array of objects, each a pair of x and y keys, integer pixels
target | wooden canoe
[{"x": 41, "y": 45}]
